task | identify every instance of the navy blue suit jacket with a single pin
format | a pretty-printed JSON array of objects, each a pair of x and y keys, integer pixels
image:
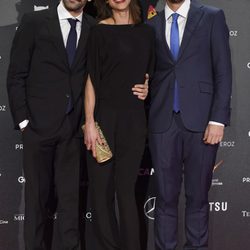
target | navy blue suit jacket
[{"x": 203, "y": 71}]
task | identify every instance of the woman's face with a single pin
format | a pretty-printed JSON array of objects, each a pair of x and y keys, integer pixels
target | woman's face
[{"x": 119, "y": 5}]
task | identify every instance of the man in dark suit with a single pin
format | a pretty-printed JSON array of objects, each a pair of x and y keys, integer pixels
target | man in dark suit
[
  {"x": 190, "y": 106},
  {"x": 45, "y": 86}
]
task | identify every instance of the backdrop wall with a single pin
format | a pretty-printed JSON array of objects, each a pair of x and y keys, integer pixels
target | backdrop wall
[{"x": 229, "y": 196}]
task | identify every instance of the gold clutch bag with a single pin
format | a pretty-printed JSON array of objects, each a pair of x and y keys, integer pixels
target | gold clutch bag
[{"x": 103, "y": 152}]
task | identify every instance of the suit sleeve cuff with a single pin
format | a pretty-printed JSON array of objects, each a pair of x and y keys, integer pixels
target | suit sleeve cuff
[
  {"x": 216, "y": 123},
  {"x": 23, "y": 124}
]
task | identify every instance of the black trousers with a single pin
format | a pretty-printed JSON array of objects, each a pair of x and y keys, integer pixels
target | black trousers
[
  {"x": 179, "y": 153},
  {"x": 125, "y": 133},
  {"x": 56, "y": 156}
]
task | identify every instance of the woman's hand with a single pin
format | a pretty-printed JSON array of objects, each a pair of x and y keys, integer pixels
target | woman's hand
[
  {"x": 141, "y": 90},
  {"x": 91, "y": 136}
]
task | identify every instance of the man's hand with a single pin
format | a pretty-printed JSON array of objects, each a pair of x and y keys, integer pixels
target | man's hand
[
  {"x": 213, "y": 134},
  {"x": 141, "y": 90}
]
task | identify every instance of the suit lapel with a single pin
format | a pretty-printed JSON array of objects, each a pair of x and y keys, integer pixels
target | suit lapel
[
  {"x": 194, "y": 16},
  {"x": 163, "y": 33},
  {"x": 82, "y": 40},
  {"x": 56, "y": 34}
]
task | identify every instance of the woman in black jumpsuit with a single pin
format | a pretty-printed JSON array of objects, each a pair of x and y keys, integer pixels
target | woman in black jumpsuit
[{"x": 119, "y": 56}]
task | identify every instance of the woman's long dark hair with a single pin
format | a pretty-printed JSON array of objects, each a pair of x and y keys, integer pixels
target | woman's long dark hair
[{"x": 104, "y": 10}]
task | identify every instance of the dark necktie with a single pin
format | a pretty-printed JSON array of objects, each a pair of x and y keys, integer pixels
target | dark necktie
[
  {"x": 72, "y": 40},
  {"x": 174, "y": 47},
  {"x": 71, "y": 50}
]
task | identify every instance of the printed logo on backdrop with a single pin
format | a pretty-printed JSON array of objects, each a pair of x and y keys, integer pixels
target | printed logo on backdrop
[
  {"x": 227, "y": 144},
  {"x": 149, "y": 208},
  {"x": 21, "y": 217},
  {"x": 3, "y": 222},
  {"x": 21, "y": 179},
  {"x": 245, "y": 214},
  {"x": 2, "y": 108},
  {"x": 216, "y": 181},
  {"x": 223, "y": 144},
  {"x": 248, "y": 65},
  {"x": 88, "y": 216},
  {"x": 233, "y": 33},
  {"x": 18, "y": 146},
  {"x": 146, "y": 171},
  {"x": 218, "y": 206},
  {"x": 246, "y": 180},
  {"x": 18, "y": 217}
]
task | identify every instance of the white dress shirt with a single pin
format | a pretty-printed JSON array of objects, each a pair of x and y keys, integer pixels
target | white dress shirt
[
  {"x": 182, "y": 20},
  {"x": 63, "y": 15}
]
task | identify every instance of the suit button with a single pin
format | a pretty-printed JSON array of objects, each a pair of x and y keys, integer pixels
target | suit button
[{"x": 67, "y": 95}]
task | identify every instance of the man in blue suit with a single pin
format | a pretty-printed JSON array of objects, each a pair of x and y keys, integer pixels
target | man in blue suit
[{"x": 190, "y": 106}]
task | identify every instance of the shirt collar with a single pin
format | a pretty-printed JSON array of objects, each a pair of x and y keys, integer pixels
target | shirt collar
[
  {"x": 63, "y": 14},
  {"x": 182, "y": 11}
]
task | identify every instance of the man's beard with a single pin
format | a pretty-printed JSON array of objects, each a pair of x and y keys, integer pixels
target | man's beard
[
  {"x": 176, "y": 1},
  {"x": 76, "y": 6}
]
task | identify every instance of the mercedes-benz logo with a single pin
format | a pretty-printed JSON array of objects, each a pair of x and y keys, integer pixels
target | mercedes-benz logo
[{"x": 149, "y": 208}]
